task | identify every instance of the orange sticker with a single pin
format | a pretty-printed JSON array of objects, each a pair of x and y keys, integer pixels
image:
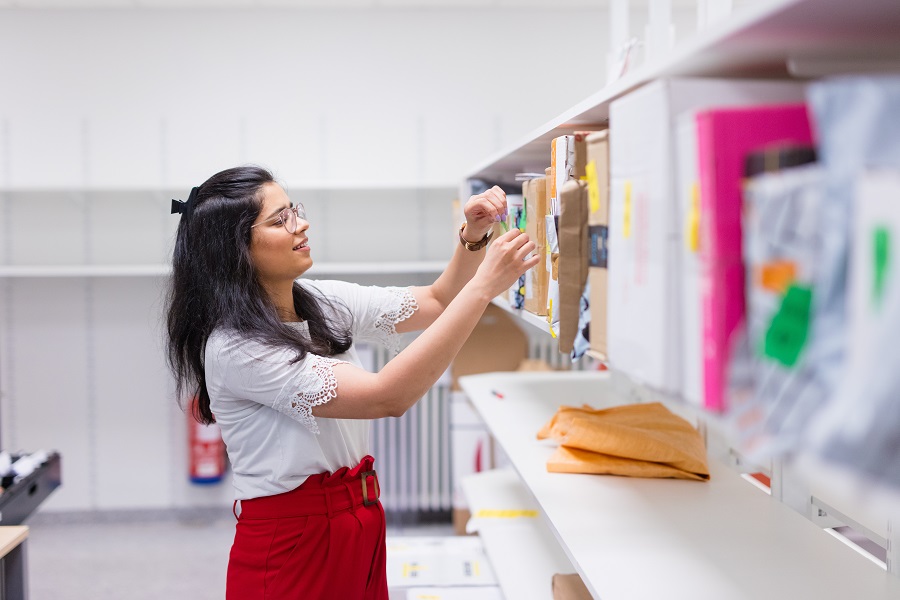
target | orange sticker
[{"x": 776, "y": 276}]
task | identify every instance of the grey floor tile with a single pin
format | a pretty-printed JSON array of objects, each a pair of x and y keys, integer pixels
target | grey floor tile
[
  {"x": 139, "y": 556},
  {"x": 138, "y": 561}
]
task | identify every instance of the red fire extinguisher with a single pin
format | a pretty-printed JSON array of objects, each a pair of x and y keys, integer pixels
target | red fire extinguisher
[{"x": 206, "y": 451}]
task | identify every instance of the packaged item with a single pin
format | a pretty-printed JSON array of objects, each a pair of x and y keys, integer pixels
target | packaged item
[
  {"x": 597, "y": 174},
  {"x": 516, "y": 220},
  {"x": 536, "y": 279}
]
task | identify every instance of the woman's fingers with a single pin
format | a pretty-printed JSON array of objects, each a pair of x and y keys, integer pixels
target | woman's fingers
[
  {"x": 510, "y": 236},
  {"x": 496, "y": 197},
  {"x": 490, "y": 207},
  {"x": 531, "y": 262},
  {"x": 525, "y": 249}
]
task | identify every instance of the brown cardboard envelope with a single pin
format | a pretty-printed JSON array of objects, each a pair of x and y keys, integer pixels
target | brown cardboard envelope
[{"x": 634, "y": 440}]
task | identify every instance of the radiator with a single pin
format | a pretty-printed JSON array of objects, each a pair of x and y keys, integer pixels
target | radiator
[{"x": 412, "y": 453}]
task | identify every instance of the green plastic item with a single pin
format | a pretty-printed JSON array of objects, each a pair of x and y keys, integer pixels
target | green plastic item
[
  {"x": 881, "y": 242},
  {"x": 789, "y": 328}
]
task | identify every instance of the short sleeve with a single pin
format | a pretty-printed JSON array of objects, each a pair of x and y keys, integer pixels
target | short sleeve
[
  {"x": 248, "y": 370},
  {"x": 376, "y": 310}
]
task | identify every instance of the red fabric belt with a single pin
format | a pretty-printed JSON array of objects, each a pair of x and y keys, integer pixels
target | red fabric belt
[{"x": 320, "y": 494}]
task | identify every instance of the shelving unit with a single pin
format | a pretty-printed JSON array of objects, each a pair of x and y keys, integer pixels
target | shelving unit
[
  {"x": 772, "y": 38},
  {"x": 654, "y": 538},
  {"x": 507, "y": 519},
  {"x": 728, "y": 539}
]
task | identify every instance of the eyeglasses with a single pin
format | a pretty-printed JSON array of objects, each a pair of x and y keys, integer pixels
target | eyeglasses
[{"x": 288, "y": 218}]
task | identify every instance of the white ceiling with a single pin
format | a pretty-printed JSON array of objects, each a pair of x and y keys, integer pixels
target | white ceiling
[
  {"x": 315, "y": 3},
  {"x": 295, "y": 3}
]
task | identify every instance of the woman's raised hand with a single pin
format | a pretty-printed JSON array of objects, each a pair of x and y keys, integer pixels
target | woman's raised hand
[
  {"x": 505, "y": 262},
  {"x": 482, "y": 211}
]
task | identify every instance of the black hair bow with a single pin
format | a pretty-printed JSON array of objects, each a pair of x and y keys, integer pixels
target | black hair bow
[{"x": 179, "y": 207}]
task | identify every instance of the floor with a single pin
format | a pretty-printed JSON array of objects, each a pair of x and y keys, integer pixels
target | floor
[{"x": 138, "y": 556}]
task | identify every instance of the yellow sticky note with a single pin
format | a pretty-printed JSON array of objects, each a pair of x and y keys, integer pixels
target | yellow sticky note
[
  {"x": 550, "y": 317},
  {"x": 507, "y": 513},
  {"x": 593, "y": 185},
  {"x": 693, "y": 221},
  {"x": 626, "y": 212}
]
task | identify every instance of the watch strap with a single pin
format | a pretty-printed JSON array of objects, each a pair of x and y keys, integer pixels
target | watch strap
[{"x": 474, "y": 246}]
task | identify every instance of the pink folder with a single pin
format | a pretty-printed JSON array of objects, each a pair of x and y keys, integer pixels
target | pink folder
[{"x": 724, "y": 138}]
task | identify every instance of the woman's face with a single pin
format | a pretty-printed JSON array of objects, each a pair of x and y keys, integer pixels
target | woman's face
[{"x": 278, "y": 256}]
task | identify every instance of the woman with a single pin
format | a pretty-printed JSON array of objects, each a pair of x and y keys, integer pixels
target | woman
[{"x": 271, "y": 360}]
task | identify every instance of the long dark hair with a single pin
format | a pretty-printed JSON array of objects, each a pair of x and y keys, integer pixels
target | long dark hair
[{"x": 215, "y": 285}]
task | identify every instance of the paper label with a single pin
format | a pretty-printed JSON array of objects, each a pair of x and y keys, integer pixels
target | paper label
[
  {"x": 486, "y": 513},
  {"x": 550, "y": 317},
  {"x": 593, "y": 185}
]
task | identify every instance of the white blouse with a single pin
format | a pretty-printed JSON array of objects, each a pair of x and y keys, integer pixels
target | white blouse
[{"x": 263, "y": 403}]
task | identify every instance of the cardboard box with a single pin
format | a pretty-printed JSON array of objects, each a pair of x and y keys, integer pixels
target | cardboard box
[
  {"x": 535, "y": 193},
  {"x": 569, "y": 587},
  {"x": 496, "y": 344},
  {"x": 643, "y": 311},
  {"x": 597, "y": 173}
]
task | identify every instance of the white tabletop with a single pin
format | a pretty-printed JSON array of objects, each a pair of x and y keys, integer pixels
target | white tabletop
[{"x": 633, "y": 538}]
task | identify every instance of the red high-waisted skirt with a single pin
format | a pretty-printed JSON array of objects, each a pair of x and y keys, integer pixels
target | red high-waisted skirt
[{"x": 324, "y": 539}]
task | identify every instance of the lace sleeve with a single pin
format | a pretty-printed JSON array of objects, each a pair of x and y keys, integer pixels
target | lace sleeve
[
  {"x": 313, "y": 385},
  {"x": 399, "y": 306}
]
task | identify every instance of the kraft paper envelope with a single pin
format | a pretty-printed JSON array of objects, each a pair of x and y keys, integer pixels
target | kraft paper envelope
[
  {"x": 571, "y": 460},
  {"x": 640, "y": 440}
]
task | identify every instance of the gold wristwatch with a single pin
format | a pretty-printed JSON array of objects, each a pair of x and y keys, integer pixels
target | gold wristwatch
[{"x": 474, "y": 246}]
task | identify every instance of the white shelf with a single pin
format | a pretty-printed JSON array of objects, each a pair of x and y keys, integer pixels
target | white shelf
[
  {"x": 516, "y": 524},
  {"x": 528, "y": 317},
  {"x": 652, "y": 538},
  {"x": 160, "y": 270},
  {"x": 758, "y": 41}
]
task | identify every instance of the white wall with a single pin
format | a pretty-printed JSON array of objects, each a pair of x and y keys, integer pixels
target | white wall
[
  {"x": 164, "y": 98},
  {"x": 105, "y": 114}
]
